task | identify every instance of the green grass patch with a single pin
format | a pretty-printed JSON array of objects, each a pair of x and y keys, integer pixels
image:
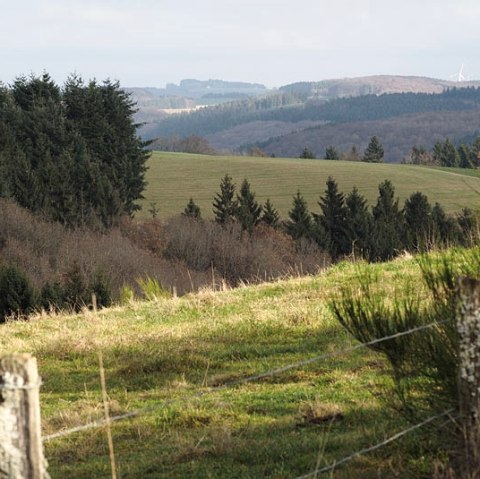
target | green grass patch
[
  {"x": 175, "y": 177},
  {"x": 460, "y": 171},
  {"x": 159, "y": 355}
]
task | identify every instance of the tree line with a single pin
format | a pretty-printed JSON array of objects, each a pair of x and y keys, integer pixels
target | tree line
[
  {"x": 70, "y": 153},
  {"x": 373, "y": 153},
  {"x": 446, "y": 153},
  {"x": 346, "y": 224}
]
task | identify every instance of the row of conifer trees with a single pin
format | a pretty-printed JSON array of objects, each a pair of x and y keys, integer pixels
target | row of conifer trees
[{"x": 346, "y": 224}]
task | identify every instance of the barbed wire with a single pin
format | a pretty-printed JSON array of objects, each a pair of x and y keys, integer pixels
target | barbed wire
[
  {"x": 238, "y": 382},
  {"x": 26, "y": 387},
  {"x": 356, "y": 454}
]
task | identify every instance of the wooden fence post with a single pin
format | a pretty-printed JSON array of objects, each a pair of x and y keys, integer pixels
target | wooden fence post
[
  {"x": 468, "y": 327},
  {"x": 21, "y": 451}
]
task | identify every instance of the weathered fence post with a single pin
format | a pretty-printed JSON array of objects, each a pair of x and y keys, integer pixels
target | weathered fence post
[
  {"x": 21, "y": 451},
  {"x": 468, "y": 326}
]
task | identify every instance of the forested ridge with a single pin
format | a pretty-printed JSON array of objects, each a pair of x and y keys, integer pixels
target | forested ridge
[{"x": 293, "y": 108}]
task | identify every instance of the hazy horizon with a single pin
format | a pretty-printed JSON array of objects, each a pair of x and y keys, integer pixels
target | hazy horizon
[{"x": 152, "y": 43}]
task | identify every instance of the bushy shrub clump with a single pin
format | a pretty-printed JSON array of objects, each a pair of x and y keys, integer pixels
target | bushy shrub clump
[
  {"x": 237, "y": 255},
  {"x": 424, "y": 364},
  {"x": 64, "y": 266}
]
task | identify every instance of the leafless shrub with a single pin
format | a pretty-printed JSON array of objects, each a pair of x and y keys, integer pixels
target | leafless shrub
[
  {"x": 46, "y": 251},
  {"x": 184, "y": 254},
  {"x": 237, "y": 255}
]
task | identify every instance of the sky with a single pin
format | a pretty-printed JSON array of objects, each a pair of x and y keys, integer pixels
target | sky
[{"x": 274, "y": 42}]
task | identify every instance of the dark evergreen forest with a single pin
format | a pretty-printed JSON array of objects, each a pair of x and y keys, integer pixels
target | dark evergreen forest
[
  {"x": 70, "y": 153},
  {"x": 293, "y": 107}
]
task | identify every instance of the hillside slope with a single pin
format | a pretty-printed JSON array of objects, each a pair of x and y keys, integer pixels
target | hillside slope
[
  {"x": 233, "y": 126},
  {"x": 180, "y": 363},
  {"x": 398, "y": 135},
  {"x": 374, "y": 85},
  {"x": 173, "y": 178}
]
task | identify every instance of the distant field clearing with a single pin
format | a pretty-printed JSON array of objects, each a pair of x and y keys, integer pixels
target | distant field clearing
[{"x": 175, "y": 177}]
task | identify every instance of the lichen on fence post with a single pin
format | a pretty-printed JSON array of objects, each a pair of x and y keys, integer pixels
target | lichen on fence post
[
  {"x": 21, "y": 451},
  {"x": 468, "y": 327}
]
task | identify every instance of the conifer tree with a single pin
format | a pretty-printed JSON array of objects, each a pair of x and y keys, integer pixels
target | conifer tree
[
  {"x": 270, "y": 215},
  {"x": 331, "y": 153},
  {"x": 307, "y": 154},
  {"x": 225, "y": 205},
  {"x": 248, "y": 211},
  {"x": 16, "y": 294},
  {"x": 387, "y": 224},
  {"x": 103, "y": 116},
  {"x": 449, "y": 154},
  {"x": 374, "y": 151},
  {"x": 359, "y": 223},
  {"x": 445, "y": 154},
  {"x": 445, "y": 228},
  {"x": 417, "y": 212},
  {"x": 466, "y": 157},
  {"x": 300, "y": 223},
  {"x": 192, "y": 210},
  {"x": 331, "y": 223}
]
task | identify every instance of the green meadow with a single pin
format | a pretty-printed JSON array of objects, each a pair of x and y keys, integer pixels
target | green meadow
[
  {"x": 181, "y": 361},
  {"x": 175, "y": 177}
]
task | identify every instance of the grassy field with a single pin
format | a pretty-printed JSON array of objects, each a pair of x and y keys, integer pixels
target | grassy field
[
  {"x": 175, "y": 177},
  {"x": 159, "y": 355}
]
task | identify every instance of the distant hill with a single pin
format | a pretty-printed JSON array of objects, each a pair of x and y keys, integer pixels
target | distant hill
[
  {"x": 397, "y": 134},
  {"x": 196, "y": 89},
  {"x": 371, "y": 85},
  {"x": 154, "y": 104},
  {"x": 211, "y": 88},
  {"x": 342, "y": 113}
]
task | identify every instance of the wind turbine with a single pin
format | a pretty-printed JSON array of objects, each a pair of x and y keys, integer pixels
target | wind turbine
[{"x": 459, "y": 77}]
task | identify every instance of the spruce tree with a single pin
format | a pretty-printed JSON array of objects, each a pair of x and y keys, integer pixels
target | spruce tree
[
  {"x": 192, "y": 210},
  {"x": 359, "y": 223},
  {"x": 270, "y": 215},
  {"x": 307, "y": 154},
  {"x": 16, "y": 294},
  {"x": 466, "y": 157},
  {"x": 331, "y": 224},
  {"x": 374, "y": 151},
  {"x": 476, "y": 153},
  {"x": 445, "y": 154},
  {"x": 41, "y": 178},
  {"x": 449, "y": 154},
  {"x": 300, "y": 220},
  {"x": 445, "y": 229},
  {"x": 102, "y": 115},
  {"x": 224, "y": 204},
  {"x": 387, "y": 224},
  {"x": 248, "y": 211},
  {"x": 331, "y": 153},
  {"x": 418, "y": 222}
]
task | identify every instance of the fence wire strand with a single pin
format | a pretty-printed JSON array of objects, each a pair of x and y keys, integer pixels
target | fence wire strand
[
  {"x": 238, "y": 382},
  {"x": 393, "y": 438}
]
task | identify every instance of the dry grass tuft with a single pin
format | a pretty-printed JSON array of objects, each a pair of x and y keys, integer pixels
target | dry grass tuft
[{"x": 317, "y": 412}]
